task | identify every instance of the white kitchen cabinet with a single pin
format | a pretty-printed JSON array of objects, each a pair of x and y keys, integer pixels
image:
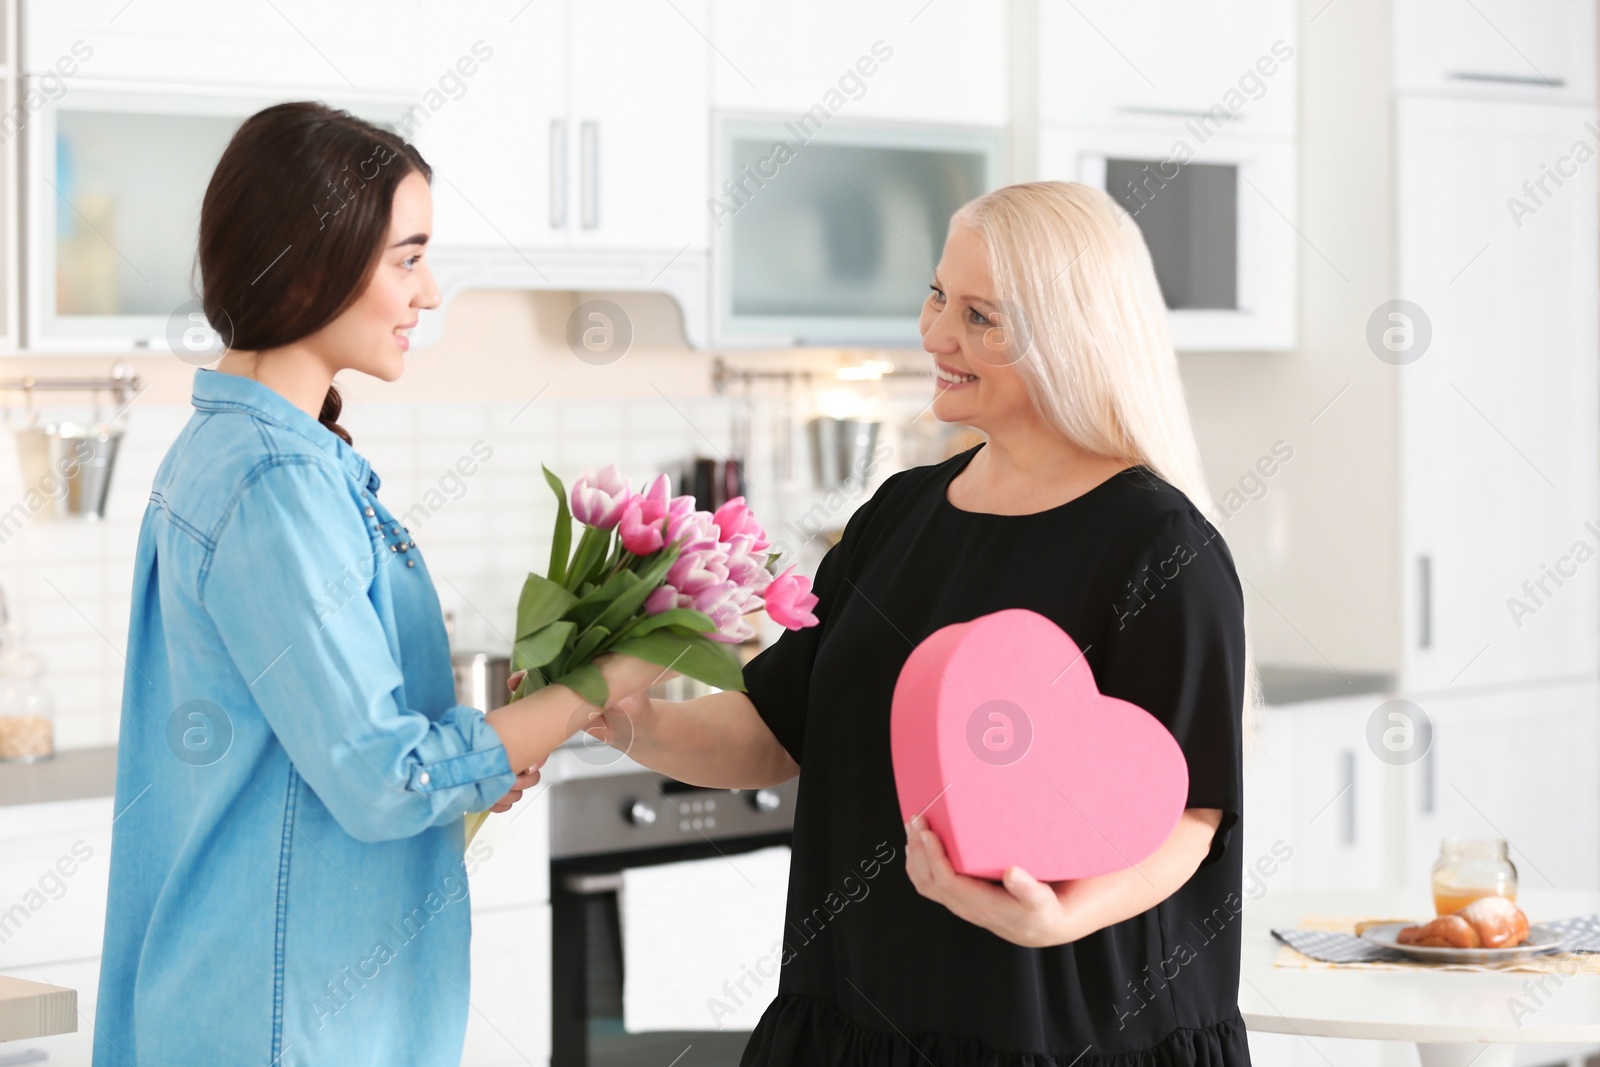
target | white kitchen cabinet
[
  {"x": 587, "y": 127},
  {"x": 497, "y": 145},
  {"x": 1298, "y": 1050},
  {"x": 508, "y": 1024},
  {"x": 512, "y": 855},
  {"x": 352, "y": 45},
  {"x": 943, "y": 63},
  {"x": 54, "y": 864},
  {"x": 1500, "y": 404},
  {"x": 1540, "y": 51},
  {"x": 1338, "y": 836},
  {"x": 640, "y": 124},
  {"x": 1152, "y": 65},
  {"x": 1314, "y": 814},
  {"x": 1512, "y": 763}
]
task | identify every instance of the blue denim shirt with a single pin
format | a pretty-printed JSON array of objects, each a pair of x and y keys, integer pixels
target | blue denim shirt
[{"x": 288, "y": 883}]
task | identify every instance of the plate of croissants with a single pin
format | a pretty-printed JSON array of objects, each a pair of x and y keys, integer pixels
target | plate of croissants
[{"x": 1489, "y": 930}]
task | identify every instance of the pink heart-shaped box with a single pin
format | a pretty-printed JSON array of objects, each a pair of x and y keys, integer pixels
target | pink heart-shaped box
[{"x": 1002, "y": 740}]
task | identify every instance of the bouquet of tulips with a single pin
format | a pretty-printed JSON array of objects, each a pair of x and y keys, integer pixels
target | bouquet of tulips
[{"x": 650, "y": 577}]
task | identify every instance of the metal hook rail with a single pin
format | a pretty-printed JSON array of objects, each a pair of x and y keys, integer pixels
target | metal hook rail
[
  {"x": 722, "y": 374},
  {"x": 121, "y": 383}
]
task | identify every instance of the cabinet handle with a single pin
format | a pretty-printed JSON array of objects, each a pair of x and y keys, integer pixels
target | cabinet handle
[
  {"x": 589, "y": 162},
  {"x": 1507, "y": 79},
  {"x": 1347, "y": 760},
  {"x": 1424, "y": 602},
  {"x": 1175, "y": 112},
  {"x": 1428, "y": 773},
  {"x": 558, "y": 173}
]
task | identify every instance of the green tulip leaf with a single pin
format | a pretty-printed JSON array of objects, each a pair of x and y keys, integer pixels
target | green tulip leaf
[
  {"x": 694, "y": 655},
  {"x": 542, "y": 602},
  {"x": 540, "y": 648}
]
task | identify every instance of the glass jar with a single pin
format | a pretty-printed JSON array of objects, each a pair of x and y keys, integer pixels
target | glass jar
[
  {"x": 1469, "y": 868},
  {"x": 27, "y": 710}
]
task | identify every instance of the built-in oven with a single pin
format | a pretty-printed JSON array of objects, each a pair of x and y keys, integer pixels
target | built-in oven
[{"x": 601, "y": 825}]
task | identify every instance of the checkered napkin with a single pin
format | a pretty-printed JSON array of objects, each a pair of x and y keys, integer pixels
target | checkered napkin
[{"x": 1582, "y": 935}]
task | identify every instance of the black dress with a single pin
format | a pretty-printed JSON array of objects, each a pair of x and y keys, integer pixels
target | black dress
[{"x": 873, "y": 972}]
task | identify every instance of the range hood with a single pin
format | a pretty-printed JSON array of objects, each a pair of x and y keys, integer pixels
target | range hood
[{"x": 684, "y": 275}]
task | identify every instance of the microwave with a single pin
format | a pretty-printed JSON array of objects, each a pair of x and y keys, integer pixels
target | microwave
[
  {"x": 827, "y": 233},
  {"x": 1217, "y": 211}
]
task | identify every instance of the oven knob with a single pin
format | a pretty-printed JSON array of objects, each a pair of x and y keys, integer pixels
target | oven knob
[
  {"x": 640, "y": 814},
  {"x": 765, "y": 800}
]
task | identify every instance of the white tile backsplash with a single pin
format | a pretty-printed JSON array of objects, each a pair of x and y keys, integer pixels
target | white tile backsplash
[{"x": 69, "y": 582}]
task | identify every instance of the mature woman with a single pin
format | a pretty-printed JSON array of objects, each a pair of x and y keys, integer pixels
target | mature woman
[
  {"x": 1085, "y": 504},
  {"x": 287, "y": 876}
]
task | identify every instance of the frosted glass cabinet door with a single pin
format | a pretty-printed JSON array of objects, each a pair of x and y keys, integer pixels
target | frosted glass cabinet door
[
  {"x": 114, "y": 185},
  {"x": 833, "y": 239}
]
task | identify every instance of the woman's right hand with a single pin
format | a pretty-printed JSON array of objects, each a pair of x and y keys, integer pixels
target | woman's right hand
[
  {"x": 628, "y": 678},
  {"x": 630, "y": 674}
]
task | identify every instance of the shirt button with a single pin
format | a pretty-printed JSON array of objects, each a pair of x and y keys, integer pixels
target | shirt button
[
  {"x": 394, "y": 548},
  {"x": 423, "y": 778},
  {"x": 411, "y": 563},
  {"x": 370, "y": 513}
]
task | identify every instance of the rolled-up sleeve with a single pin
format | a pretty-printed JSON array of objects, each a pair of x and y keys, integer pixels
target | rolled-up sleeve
[{"x": 286, "y": 586}]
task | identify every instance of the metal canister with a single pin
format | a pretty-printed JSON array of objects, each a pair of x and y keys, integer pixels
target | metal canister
[{"x": 481, "y": 679}]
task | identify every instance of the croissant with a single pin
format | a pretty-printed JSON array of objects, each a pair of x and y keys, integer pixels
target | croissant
[{"x": 1488, "y": 922}]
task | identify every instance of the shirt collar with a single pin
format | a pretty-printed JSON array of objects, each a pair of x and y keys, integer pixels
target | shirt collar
[{"x": 219, "y": 391}]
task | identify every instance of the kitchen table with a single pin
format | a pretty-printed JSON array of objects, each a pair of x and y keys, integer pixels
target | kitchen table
[
  {"x": 34, "y": 1009},
  {"x": 1455, "y": 1018}
]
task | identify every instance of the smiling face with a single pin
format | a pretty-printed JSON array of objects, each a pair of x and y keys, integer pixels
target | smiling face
[
  {"x": 370, "y": 335},
  {"x": 976, "y": 379}
]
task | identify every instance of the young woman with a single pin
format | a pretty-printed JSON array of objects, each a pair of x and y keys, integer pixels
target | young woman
[
  {"x": 287, "y": 876},
  {"x": 1085, "y": 504}
]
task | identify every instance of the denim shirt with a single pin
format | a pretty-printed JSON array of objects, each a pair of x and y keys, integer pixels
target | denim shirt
[{"x": 288, "y": 883}]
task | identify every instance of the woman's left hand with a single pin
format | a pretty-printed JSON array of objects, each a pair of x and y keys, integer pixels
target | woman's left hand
[
  {"x": 1035, "y": 914},
  {"x": 525, "y": 781},
  {"x": 1022, "y": 909}
]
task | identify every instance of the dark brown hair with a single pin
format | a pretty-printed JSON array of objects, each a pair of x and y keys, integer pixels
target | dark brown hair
[{"x": 293, "y": 224}]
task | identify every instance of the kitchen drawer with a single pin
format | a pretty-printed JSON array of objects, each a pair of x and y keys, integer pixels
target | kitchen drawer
[
  {"x": 509, "y": 1019},
  {"x": 54, "y": 862}
]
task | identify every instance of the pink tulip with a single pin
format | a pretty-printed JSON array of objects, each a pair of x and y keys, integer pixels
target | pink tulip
[
  {"x": 639, "y": 535},
  {"x": 697, "y": 570},
  {"x": 692, "y": 529},
  {"x": 746, "y": 564},
  {"x": 735, "y": 518},
  {"x": 656, "y": 499},
  {"x": 726, "y": 604},
  {"x": 598, "y": 498},
  {"x": 663, "y": 598},
  {"x": 789, "y": 601}
]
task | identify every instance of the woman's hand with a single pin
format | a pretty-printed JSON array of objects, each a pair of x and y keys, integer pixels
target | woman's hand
[
  {"x": 614, "y": 725},
  {"x": 1023, "y": 910},
  {"x": 525, "y": 781},
  {"x": 630, "y": 674},
  {"x": 1028, "y": 912}
]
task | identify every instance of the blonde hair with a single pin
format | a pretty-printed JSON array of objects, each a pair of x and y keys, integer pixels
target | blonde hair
[{"x": 1078, "y": 297}]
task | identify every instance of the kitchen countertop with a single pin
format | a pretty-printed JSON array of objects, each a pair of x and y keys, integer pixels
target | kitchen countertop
[
  {"x": 1291, "y": 685},
  {"x": 71, "y": 774}
]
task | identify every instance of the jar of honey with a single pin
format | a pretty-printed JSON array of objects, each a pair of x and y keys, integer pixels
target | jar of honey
[{"x": 1469, "y": 868}]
